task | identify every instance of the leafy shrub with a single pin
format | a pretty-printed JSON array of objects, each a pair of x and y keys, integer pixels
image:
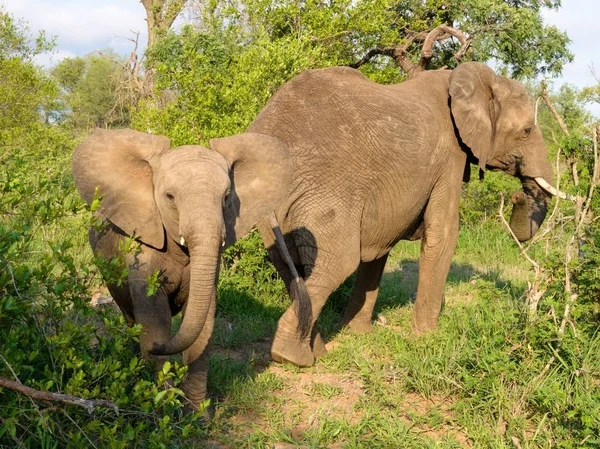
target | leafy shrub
[{"x": 50, "y": 338}]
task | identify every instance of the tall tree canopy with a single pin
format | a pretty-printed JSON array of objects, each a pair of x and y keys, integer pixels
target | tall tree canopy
[
  {"x": 89, "y": 90},
  {"x": 225, "y": 65}
]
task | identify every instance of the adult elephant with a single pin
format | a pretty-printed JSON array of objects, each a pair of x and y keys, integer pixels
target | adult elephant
[
  {"x": 375, "y": 164},
  {"x": 183, "y": 206}
]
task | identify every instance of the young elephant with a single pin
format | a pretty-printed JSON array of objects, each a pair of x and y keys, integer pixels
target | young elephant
[
  {"x": 374, "y": 164},
  {"x": 183, "y": 206}
]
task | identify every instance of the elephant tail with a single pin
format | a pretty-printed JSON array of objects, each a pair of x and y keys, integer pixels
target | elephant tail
[
  {"x": 298, "y": 292},
  {"x": 302, "y": 306}
]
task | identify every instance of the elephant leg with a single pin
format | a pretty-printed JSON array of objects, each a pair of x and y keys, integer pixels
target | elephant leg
[
  {"x": 196, "y": 357},
  {"x": 154, "y": 314},
  {"x": 288, "y": 344},
  {"x": 359, "y": 310},
  {"x": 437, "y": 249}
]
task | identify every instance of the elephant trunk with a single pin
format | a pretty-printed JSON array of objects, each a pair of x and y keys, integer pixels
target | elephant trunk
[
  {"x": 204, "y": 248},
  {"x": 531, "y": 205}
]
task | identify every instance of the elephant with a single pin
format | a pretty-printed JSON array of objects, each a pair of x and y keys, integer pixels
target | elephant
[
  {"x": 374, "y": 164},
  {"x": 183, "y": 206}
]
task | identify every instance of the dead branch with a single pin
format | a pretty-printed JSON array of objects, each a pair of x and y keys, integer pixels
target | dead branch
[
  {"x": 442, "y": 32},
  {"x": 552, "y": 109},
  {"x": 535, "y": 265},
  {"x": 387, "y": 51},
  {"x": 534, "y": 292},
  {"x": 569, "y": 159},
  {"x": 428, "y": 39},
  {"x": 39, "y": 395}
]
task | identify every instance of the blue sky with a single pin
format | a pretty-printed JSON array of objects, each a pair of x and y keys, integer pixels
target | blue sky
[{"x": 82, "y": 26}]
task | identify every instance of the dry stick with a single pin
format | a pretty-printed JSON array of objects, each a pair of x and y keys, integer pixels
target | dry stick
[
  {"x": 39, "y": 395},
  {"x": 535, "y": 294},
  {"x": 523, "y": 251},
  {"x": 572, "y": 296}
]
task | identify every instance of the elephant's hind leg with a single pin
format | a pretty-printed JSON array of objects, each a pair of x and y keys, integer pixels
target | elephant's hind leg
[
  {"x": 359, "y": 310},
  {"x": 288, "y": 344}
]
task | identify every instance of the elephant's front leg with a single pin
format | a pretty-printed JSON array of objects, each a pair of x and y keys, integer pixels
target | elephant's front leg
[
  {"x": 437, "y": 249},
  {"x": 359, "y": 310},
  {"x": 196, "y": 357},
  {"x": 154, "y": 314}
]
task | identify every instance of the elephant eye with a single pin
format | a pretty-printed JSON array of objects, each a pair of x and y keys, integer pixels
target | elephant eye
[
  {"x": 526, "y": 132},
  {"x": 170, "y": 197}
]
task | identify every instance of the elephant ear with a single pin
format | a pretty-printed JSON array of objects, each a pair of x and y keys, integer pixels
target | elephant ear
[
  {"x": 119, "y": 164},
  {"x": 473, "y": 108},
  {"x": 260, "y": 172}
]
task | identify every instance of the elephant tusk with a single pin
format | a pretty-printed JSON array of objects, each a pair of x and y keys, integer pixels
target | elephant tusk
[
  {"x": 550, "y": 189},
  {"x": 182, "y": 241}
]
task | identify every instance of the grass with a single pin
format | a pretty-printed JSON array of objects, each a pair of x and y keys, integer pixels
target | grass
[
  {"x": 472, "y": 383},
  {"x": 478, "y": 381}
]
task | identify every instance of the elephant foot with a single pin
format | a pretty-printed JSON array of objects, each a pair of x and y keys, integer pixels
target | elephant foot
[
  {"x": 318, "y": 345},
  {"x": 358, "y": 326},
  {"x": 289, "y": 348},
  {"x": 423, "y": 326}
]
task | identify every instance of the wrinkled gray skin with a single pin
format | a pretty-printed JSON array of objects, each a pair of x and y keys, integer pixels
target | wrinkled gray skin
[
  {"x": 208, "y": 197},
  {"x": 375, "y": 164}
]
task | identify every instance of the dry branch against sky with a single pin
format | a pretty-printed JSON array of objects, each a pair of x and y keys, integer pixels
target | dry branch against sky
[{"x": 82, "y": 26}]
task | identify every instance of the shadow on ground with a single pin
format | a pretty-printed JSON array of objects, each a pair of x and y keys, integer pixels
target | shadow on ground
[{"x": 242, "y": 338}]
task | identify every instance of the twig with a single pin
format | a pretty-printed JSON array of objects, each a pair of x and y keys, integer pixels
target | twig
[
  {"x": 534, "y": 293},
  {"x": 80, "y": 429},
  {"x": 553, "y": 110},
  {"x": 519, "y": 244},
  {"x": 14, "y": 282},
  {"x": 39, "y": 395}
]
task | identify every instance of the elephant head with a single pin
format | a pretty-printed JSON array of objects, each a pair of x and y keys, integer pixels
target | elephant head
[
  {"x": 495, "y": 120},
  {"x": 189, "y": 196}
]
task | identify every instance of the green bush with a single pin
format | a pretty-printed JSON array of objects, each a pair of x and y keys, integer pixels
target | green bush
[{"x": 50, "y": 338}]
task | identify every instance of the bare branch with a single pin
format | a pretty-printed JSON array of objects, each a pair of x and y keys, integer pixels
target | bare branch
[
  {"x": 400, "y": 52},
  {"x": 439, "y": 33},
  {"x": 387, "y": 51},
  {"x": 553, "y": 110},
  {"x": 535, "y": 265},
  {"x": 39, "y": 395},
  {"x": 534, "y": 292}
]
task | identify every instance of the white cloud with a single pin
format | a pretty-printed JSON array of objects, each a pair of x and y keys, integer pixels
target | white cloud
[{"x": 83, "y": 26}]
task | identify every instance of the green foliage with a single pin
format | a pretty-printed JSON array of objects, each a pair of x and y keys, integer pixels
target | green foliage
[
  {"x": 89, "y": 90},
  {"x": 25, "y": 91},
  {"x": 480, "y": 199},
  {"x": 51, "y": 339}
]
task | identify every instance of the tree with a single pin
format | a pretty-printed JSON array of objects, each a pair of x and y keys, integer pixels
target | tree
[
  {"x": 160, "y": 15},
  {"x": 89, "y": 90},
  {"x": 222, "y": 68},
  {"x": 509, "y": 31},
  {"x": 25, "y": 91}
]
